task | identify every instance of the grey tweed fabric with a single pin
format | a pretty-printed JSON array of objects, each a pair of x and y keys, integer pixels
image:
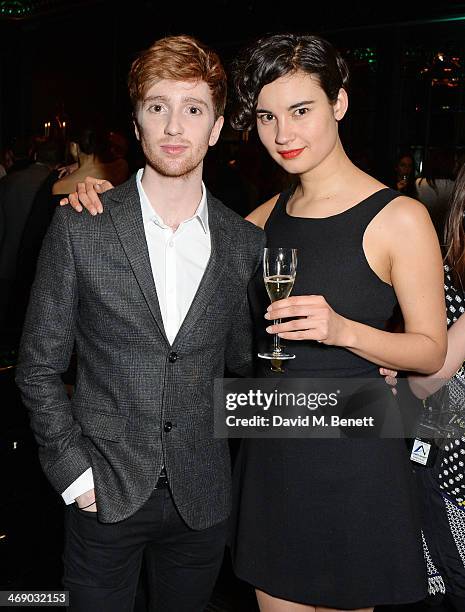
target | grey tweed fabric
[{"x": 94, "y": 292}]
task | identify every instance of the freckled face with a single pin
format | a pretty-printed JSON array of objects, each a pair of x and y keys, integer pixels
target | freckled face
[
  {"x": 176, "y": 124},
  {"x": 296, "y": 122}
]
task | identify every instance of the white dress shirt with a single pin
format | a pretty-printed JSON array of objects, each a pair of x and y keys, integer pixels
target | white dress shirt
[{"x": 178, "y": 261}]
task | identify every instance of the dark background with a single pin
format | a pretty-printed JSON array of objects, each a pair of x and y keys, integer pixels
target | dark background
[
  {"x": 63, "y": 59},
  {"x": 59, "y": 60}
]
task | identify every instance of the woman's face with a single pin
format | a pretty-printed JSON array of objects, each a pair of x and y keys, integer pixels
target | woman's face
[
  {"x": 405, "y": 166},
  {"x": 296, "y": 122}
]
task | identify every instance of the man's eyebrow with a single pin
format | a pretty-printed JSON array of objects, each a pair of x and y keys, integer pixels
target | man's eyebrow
[
  {"x": 195, "y": 101},
  {"x": 292, "y": 107},
  {"x": 155, "y": 99},
  {"x": 166, "y": 99}
]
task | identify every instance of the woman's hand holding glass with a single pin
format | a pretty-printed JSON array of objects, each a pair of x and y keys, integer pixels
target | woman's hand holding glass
[
  {"x": 314, "y": 319},
  {"x": 310, "y": 317}
]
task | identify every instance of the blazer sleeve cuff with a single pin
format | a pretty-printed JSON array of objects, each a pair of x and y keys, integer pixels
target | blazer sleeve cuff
[
  {"x": 82, "y": 484},
  {"x": 64, "y": 470}
]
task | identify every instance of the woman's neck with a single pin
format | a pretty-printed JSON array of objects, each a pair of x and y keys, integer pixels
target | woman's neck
[
  {"x": 87, "y": 161},
  {"x": 333, "y": 186},
  {"x": 329, "y": 177}
]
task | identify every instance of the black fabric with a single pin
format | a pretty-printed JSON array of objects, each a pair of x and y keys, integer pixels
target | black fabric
[
  {"x": 17, "y": 193},
  {"x": 102, "y": 560},
  {"x": 330, "y": 522},
  {"x": 437, "y": 531},
  {"x": 332, "y": 263},
  {"x": 457, "y": 603},
  {"x": 36, "y": 226}
]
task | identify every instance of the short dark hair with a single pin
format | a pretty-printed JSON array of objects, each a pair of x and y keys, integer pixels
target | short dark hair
[
  {"x": 90, "y": 135},
  {"x": 50, "y": 152},
  {"x": 275, "y": 56},
  {"x": 21, "y": 146}
]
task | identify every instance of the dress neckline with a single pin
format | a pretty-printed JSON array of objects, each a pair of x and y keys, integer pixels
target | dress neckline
[{"x": 344, "y": 212}]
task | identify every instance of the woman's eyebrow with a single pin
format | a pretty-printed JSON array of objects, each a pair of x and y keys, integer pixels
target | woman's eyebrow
[{"x": 291, "y": 107}]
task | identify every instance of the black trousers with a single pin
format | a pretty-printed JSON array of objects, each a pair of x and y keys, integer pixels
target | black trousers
[{"x": 102, "y": 560}]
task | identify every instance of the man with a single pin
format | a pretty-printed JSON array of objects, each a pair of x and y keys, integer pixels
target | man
[
  {"x": 152, "y": 292},
  {"x": 17, "y": 192}
]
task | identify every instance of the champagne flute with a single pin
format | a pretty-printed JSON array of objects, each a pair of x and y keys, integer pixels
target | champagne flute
[{"x": 279, "y": 270}]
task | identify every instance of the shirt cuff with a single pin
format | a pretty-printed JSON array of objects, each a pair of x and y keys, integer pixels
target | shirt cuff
[{"x": 81, "y": 485}]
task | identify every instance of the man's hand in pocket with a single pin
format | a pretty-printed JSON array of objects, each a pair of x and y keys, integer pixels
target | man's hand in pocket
[{"x": 86, "y": 501}]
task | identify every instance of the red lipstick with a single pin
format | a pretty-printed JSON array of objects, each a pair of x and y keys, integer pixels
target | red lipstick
[{"x": 291, "y": 154}]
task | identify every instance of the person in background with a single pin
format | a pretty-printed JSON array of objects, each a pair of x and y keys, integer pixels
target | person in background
[
  {"x": 404, "y": 175},
  {"x": 89, "y": 149},
  {"x": 442, "y": 486},
  {"x": 35, "y": 228},
  {"x": 435, "y": 185},
  {"x": 17, "y": 193},
  {"x": 118, "y": 151},
  {"x": 19, "y": 155}
]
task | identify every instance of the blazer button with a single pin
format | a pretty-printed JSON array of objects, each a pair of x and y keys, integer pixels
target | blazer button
[
  {"x": 168, "y": 426},
  {"x": 172, "y": 357}
]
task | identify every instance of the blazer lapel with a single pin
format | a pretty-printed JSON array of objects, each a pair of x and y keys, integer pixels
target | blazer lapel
[
  {"x": 127, "y": 219},
  {"x": 221, "y": 245}
]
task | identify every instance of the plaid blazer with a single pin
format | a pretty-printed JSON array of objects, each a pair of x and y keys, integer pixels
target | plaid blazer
[{"x": 94, "y": 291}]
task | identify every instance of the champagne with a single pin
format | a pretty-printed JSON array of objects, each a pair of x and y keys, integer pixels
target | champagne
[
  {"x": 279, "y": 266},
  {"x": 279, "y": 286}
]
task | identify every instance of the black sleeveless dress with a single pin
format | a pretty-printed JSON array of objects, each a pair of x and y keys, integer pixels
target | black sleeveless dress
[{"x": 330, "y": 522}]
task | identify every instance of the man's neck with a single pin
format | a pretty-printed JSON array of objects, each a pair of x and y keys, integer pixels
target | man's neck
[{"x": 174, "y": 199}]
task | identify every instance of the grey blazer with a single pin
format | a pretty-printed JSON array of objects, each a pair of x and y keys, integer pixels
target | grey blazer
[{"x": 94, "y": 289}]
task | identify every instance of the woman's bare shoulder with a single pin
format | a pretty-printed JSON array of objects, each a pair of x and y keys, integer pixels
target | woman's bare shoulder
[
  {"x": 260, "y": 215},
  {"x": 401, "y": 208},
  {"x": 64, "y": 185},
  {"x": 404, "y": 221},
  {"x": 68, "y": 184},
  {"x": 406, "y": 209}
]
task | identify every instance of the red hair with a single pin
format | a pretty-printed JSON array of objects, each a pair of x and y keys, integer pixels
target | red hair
[{"x": 180, "y": 58}]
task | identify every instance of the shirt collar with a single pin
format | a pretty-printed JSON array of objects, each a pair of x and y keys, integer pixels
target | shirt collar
[{"x": 149, "y": 215}]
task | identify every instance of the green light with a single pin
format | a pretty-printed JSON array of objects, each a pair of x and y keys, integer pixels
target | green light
[
  {"x": 15, "y": 8},
  {"x": 446, "y": 19}
]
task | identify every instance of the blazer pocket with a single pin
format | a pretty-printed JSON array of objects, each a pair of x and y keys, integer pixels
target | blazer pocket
[{"x": 103, "y": 425}]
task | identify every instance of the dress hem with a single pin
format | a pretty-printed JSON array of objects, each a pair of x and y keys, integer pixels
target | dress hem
[{"x": 337, "y": 604}]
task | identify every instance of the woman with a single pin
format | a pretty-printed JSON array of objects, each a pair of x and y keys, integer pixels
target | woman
[
  {"x": 442, "y": 487},
  {"x": 404, "y": 175},
  {"x": 331, "y": 523},
  {"x": 88, "y": 149}
]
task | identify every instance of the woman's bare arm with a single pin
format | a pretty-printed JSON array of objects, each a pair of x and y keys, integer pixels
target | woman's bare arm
[
  {"x": 423, "y": 386},
  {"x": 260, "y": 215}
]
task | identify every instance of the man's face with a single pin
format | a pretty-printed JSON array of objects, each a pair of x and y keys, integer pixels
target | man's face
[{"x": 176, "y": 124}]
